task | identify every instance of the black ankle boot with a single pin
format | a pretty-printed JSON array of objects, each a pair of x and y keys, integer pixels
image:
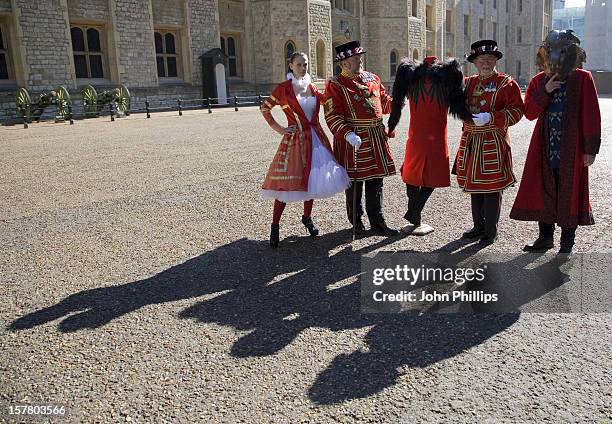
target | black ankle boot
[
  {"x": 541, "y": 244},
  {"x": 307, "y": 221},
  {"x": 274, "y": 235},
  {"x": 568, "y": 236}
]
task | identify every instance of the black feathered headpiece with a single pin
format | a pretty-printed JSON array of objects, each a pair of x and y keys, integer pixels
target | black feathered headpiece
[{"x": 446, "y": 87}]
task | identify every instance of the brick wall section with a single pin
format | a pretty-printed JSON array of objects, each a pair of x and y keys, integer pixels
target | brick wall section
[
  {"x": 47, "y": 52},
  {"x": 320, "y": 29},
  {"x": 204, "y": 31},
  {"x": 168, "y": 13},
  {"x": 136, "y": 47},
  {"x": 88, "y": 9}
]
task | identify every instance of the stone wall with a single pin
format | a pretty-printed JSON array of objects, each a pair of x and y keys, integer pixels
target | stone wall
[
  {"x": 88, "y": 9},
  {"x": 168, "y": 13},
  {"x": 320, "y": 29},
  {"x": 231, "y": 15},
  {"x": 135, "y": 43},
  {"x": 48, "y": 59},
  {"x": 286, "y": 26},
  {"x": 261, "y": 36},
  {"x": 203, "y": 18}
]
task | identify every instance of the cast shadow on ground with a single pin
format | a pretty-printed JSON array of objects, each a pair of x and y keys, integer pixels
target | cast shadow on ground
[
  {"x": 243, "y": 266},
  {"x": 408, "y": 340},
  {"x": 276, "y": 294}
]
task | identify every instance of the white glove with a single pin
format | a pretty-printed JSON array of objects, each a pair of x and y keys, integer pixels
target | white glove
[
  {"x": 481, "y": 119},
  {"x": 354, "y": 140}
]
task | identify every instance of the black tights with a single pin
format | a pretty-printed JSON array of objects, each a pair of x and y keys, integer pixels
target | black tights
[{"x": 417, "y": 197}]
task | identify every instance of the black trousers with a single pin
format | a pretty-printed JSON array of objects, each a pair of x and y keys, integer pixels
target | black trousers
[
  {"x": 547, "y": 231},
  {"x": 373, "y": 201},
  {"x": 485, "y": 212},
  {"x": 417, "y": 197}
]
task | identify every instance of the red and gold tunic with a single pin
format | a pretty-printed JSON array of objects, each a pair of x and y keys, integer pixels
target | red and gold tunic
[
  {"x": 484, "y": 159},
  {"x": 358, "y": 104}
]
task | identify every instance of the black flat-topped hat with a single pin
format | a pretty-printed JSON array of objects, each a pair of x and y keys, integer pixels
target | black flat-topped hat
[
  {"x": 346, "y": 50},
  {"x": 483, "y": 47}
]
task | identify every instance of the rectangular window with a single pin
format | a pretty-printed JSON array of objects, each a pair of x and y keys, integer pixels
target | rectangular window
[
  {"x": 494, "y": 4},
  {"x": 88, "y": 51},
  {"x": 519, "y": 35},
  {"x": 231, "y": 47},
  {"x": 449, "y": 21},
  {"x": 415, "y": 5},
  {"x": 546, "y": 31},
  {"x": 466, "y": 25},
  {"x": 507, "y": 6},
  {"x": 481, "y": 27},
  {"x": 429, "y": 17},
  {"x": 339, "y": 4},
  {"x": 4, "y": 54},
  {"x": 167, "y": 53},
  {"x": 518, "y": 69},
  {"x": 495, "y": 30},
  {"x": 520, "y": 6}
]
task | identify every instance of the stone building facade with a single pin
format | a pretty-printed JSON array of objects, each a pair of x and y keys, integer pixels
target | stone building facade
[
  {"x": 598, "y": 35},
  {"x": 154, "y": 46}
]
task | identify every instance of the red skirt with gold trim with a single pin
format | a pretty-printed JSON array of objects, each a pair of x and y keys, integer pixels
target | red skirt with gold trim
[{"x": 484, "y": 161}]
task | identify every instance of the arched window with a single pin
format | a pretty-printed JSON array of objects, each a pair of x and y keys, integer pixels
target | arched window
[
  {"x": 415, "y": 54},
  {"x": 321, "y": 59},
  {"x": 393, "y": 63},
  {"x": 289, "y": 50},
  {"x": 166, "y": 54},
  {"x": 87, "y": 52}
]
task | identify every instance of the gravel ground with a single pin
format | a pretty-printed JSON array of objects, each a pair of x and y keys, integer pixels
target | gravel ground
[{"x": 139, "y": 287}]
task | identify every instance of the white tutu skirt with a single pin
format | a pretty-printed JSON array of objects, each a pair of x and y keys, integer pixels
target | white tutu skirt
[{"x": 326, "y": 178}]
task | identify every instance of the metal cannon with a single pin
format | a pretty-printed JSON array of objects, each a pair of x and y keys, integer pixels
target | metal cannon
[
  {"x": 30, "y": 110},
  {"x": 93, "y": 103}
]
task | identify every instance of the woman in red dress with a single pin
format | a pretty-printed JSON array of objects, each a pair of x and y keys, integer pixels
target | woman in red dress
[{"x": 304, "y": 167}]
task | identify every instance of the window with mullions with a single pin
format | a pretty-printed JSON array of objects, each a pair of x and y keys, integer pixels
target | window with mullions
[
  {"x": 4, "y": 67},
  {"x": 87, "y": 52},
  {"x": 229, "y": 45},
  {"x": 166, "y": 54}
]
